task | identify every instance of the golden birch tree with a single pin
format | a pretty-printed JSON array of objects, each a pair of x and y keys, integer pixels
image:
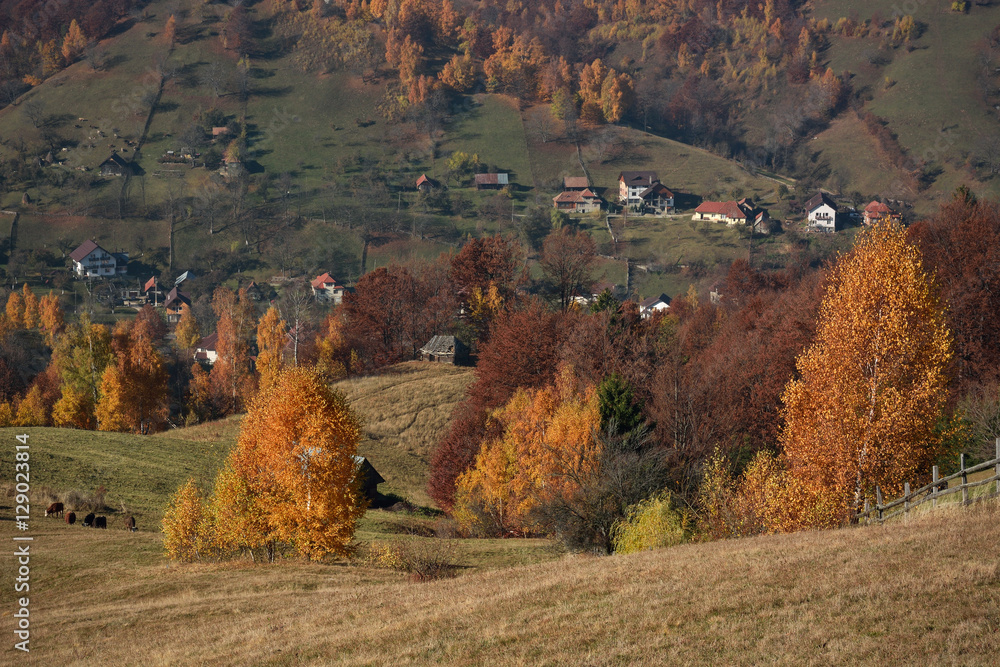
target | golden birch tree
[
  {"x": 873, "y": 383},
  {"x": 296, "y": 454},
  {"x": 31, "y": 312},
  {"x": 270, "y": 346}
]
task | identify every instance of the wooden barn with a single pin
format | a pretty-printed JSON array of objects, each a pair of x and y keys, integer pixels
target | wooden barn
[{"x": 445, "y": 349}]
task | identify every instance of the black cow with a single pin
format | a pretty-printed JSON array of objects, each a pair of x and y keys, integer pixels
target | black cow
[
  {"x": 130, "y": 524},
  {"x": 88, "y": 521},
  {"x": 101, "y": 522},
  {"x": 70, "y": 518}
]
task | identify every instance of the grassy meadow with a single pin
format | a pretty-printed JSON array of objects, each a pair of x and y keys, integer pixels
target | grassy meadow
[{"x": 918, "y": 591}]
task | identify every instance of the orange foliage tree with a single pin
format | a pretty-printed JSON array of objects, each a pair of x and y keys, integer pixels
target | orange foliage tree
[
  {"x": 270, "y": 346},
  {"x": 187, "y": 333},
  {"x": 50, "y": 317},
  {"x": 15, "y": 310},
  {"x": 232, "y": 381},
  {"x": 546, "y": 433},
  {"x": 31, "y": 313},
  {"x": 296, "y": 456},
  {"x": 873, "y": 383},
  {"x": 74, "y": 43},
  {"x": 183, "y": 523},
  {"x": 134, "y": 389}
]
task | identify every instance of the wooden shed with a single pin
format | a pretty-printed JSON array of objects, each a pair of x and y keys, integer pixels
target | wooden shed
[{"x": 445, "y": 349}]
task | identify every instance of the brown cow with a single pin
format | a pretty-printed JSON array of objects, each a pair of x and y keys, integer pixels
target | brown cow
[
  {"x": 130, "y": 524},
  {"x": 55, "y": 509},
  {"x": 101, "y": 522},
  {"x": 88, "y": 521},
  {"x": 70, "y": 518}
]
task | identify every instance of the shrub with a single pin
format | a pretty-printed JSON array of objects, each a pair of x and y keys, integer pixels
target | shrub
[{"x": 651, "y": 524}]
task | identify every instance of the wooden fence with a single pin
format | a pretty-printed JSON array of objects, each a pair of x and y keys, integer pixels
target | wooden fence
[{"x": 938, "y": 488}]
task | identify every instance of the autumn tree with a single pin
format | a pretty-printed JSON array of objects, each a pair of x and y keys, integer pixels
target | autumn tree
[
  {"x": 270, "y": 348},
  {"x": 15, "y": 310},
  {"x": 296, "y": 455},
  {"x": 170, "y": 31},
  {"x": 133, "y": 391},
  {"x": 82, "y": 354},
  {"x": 232, "y": 381},
  {"x": 183, "y": 524},
  {"x": 50, "y": 317},
  {"x": 187, "y": 333},
  {"x": 332, "y": 350},
  {"x": 567, "y": 261},
  {"x": 872, "y": 385},
  {"x": 522, "y": 352},
  {"x": 545, "y": 432},
  {"x": 31, "y": 311},
  {"x": 74, "y": 43}
]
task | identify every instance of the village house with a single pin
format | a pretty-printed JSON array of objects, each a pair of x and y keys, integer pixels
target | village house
[
  {"x": 728, "y": 212},
  {"x": 326, "y": 288},
  {"x": 631, "y": 185},
  {"x": 734, "y": 213},
  {"x": 206, "y": 350},
  {"x": 876, "y": 211},
  {"x": 425, "y": 184},
  {"x": 445, "y": 349},
  {"x": 577, "y": 201},
  {"x": 657, "y": 198},
  {"x": 822, "y": 213},
  {"x": 174, "y": 303},
  {"x": 575, "y": 183},
  {"x": 92, "y": 261},
  {"x": 115, "y": 165},
  {"x": 654, "y": 304},
  {"x": 491, "y": 181}
]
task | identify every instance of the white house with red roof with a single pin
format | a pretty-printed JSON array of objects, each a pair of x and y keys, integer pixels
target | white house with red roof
[
  {"x": 876, "y": 211},
  {"x": 326, "y": 288},
  {"x": 92, "y": 261},
  {"x": 728, "y": 212},
  {"x": 206, "y": 351}
]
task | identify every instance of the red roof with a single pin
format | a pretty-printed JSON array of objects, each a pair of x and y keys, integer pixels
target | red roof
[
  {"x": 877, "y": 207},
  {"x": 323, "y": 281},
  {"x": 423, "y": 179},
  {"x": 576, "y": 182},
  {"x": 175, "y": 298},
  {"x": 150, "y": 284},
  {"x": 208, "y": 342},
  {"x": 657, "y": 189},
  {"x": 85, "y": 249},
  {"x": 575, "y": 197},
  {"x": 730, "y": 209}
]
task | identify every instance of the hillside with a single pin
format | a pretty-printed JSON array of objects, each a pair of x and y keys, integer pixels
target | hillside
[
  {"x": 919, "y": 592},
  {"x": 405, "y": 412}
]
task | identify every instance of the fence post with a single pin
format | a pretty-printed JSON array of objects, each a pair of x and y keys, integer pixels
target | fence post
[
  {"x": 906, "y": 497},
  {"x": 997, "y": 470},
  {"x": 878, "y": 502},
  {"x": 965, "y": 480},
  {"x": 934, "y": 489}
]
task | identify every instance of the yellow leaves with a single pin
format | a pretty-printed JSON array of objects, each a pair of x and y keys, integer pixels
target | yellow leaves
[
  {"x": 183, "y": 522},
  {"x": 270, "y": 345},
  {"x": 547, "y": 433},
  {"x": 873, "y": 383},
  {"x": 295, "y": 454}
]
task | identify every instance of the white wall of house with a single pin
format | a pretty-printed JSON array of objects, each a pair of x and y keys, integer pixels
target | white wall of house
[
  {"x": 98, "y": 263},
  {"x": 823, "y": 216}
]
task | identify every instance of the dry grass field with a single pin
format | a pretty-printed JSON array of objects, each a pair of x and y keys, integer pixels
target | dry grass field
[{"x": 921, "y": 591}]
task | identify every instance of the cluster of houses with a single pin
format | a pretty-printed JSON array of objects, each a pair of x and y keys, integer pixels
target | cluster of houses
[{"x": 639, "y": 191}]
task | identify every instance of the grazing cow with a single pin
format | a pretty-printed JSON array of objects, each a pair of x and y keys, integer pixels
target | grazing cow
[
  {"x": 70, "y": 518},
  {"x": 55, "y": 509},
  {"x": 88, "y": 521},
  {"x": 130, "y": 524},
  {"x": 101, "y": 522}
]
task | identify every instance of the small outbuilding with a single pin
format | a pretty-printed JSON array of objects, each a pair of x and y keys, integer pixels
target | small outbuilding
[
  {"x": 115, "y": 165},
  {"x": 370, "y": 479},
  {"x": 445, "y": 349},
  {"x": 491, "y": 181}
]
